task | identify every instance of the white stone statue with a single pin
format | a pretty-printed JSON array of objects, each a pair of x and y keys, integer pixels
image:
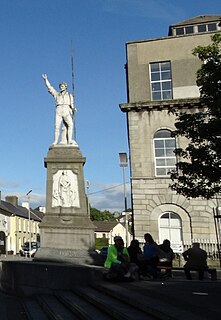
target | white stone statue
[{"x": 65, "y": 110}]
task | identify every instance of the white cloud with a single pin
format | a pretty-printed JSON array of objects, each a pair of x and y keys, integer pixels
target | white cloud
[
  {"x": 9, "y": 185},
  {"x": 142, "y": 8},
  {"x": 104, "y": 197},
  {"x": 35, "y": 198}
]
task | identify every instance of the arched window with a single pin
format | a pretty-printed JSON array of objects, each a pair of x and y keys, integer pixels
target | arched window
[
  {"x": 165, "y": 159},
  {"x": 170, "y": 227}
]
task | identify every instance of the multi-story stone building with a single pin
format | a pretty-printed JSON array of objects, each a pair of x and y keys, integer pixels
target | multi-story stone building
[{"x": 161, "y": 74}]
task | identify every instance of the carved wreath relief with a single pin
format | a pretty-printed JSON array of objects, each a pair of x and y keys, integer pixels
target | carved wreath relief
[{"x": 65, "y": 189}]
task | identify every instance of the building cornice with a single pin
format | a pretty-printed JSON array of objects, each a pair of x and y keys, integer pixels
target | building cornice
[{"x": 162, "y": 105}]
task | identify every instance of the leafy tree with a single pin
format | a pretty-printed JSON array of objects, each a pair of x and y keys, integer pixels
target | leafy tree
[
  {"x": 198, "y": 171},
  {"x": 101, "y": 215}
]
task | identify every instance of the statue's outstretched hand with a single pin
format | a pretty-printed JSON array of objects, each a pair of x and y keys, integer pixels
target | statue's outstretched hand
[{"x": 44, "y": 76}]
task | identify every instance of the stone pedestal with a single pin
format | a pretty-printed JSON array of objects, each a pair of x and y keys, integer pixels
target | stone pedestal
[{"x": 67, "y": 233}]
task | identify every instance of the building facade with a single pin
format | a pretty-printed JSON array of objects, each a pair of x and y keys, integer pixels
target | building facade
[
  {"x": 17, "y": 225},
  {"x": 161, "y": 74}
]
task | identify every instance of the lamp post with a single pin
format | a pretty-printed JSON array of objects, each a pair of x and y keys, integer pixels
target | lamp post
[
  {"x": 29, "y": 220},
  {"x": 124, "y": 164},
  {"x": 88, "y": 203}
]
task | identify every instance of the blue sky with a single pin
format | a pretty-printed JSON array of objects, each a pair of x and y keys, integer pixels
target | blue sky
[{"x": 36, "y": 37}]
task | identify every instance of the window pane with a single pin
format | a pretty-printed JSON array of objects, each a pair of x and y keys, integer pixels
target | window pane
[
  {"x": 174, "y": 215},
  {"x": 156, "y": 86},
  {"x": 170, "y": 143},
  {"x": 160, "y": 162},
  {"x": 165, "y": 215},
  {"x": 166, "y": 85},
  {"x": 159, "y": 143},
  {"x": 170, "y": 152},
  {"x": 154, "y": 67},
  {"x": 165, "y": 66},
  {"x": 155, "y": 76},
  {"x": 166, "y": 75},
  {"x": 189, "y": 29},
  {"x": 159, "y": 153},
  {"x": 171, "y": 162},
  {"x": 164, "y": 222},
  {"x": 156, "y": 95},
  {"x": 179, "y": 31},
  {"x": 162, "y": 134},
  {"x": 175, "y": 235},
  {"x": 167, "y": 95},
  {"x": 211, "y": 27},
  {"x": 202, "y": 28},
  {"x": 175, "y": 223}
]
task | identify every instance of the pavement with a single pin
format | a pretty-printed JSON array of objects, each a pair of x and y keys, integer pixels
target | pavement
[
  {"x": 199, "y": 299},
  {"x": 172, "y": 299}
]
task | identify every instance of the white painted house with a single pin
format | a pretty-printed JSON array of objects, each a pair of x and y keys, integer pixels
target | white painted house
[{"x": 108, "y": 230}]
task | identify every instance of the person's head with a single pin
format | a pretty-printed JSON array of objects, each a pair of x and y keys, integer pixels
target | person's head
[
  {"x": 135, "y": 243},
  {"x": 118, "y": 241},
  {"x": 196, "y": 245},
  {"x": 63, "y": 86},
  {"x": 148, "y": 238},
  {"x": 166, "y": 243}
]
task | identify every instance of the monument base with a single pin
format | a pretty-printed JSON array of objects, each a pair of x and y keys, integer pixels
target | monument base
[
  {"x": 74, "y": 257},
  {"x": 67, "y": 233}
]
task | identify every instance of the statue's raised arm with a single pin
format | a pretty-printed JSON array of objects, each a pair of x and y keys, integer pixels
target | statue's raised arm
[{"x": 51, "y": 90}]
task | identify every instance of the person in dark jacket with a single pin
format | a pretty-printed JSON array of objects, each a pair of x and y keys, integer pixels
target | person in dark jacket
[
  {"x": 195, "y": 258},
  {"x": 134, "y": 251},
  {"x": 166, "y": 256},
  {"x": 150, "y": 257}
]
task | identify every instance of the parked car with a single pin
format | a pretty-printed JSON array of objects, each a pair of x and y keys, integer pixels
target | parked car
[{"x": 25, "y": 249}]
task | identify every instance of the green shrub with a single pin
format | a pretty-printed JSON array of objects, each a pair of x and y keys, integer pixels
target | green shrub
[{"x": 100, "y": 243}]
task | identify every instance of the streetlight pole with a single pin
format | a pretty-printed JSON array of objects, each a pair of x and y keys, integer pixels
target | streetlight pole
[
  {"x": 29, "y": 220},
  {"x": 124, "y": 164},
  {"x": 88, "y": 203}
]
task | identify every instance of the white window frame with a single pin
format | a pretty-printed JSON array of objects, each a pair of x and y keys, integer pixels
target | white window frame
[
  {"x": 207, "y": 27},
  {"x": 176, "y": 245},
  {"x": 161, "y": 81},
  {"x": 195, "y": 28},
  {"x": 165, "y": 157}
]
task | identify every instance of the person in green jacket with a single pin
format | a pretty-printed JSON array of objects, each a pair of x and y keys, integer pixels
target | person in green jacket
[{"x": 118, "y": 259}]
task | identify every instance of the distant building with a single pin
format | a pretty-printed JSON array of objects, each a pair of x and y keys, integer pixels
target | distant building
[
  {"x": 161, "y": 74},
  {"x": 109, "y": 229},
  {"x": 125, "y": 217},
  {"x": 14, "y": 225}
]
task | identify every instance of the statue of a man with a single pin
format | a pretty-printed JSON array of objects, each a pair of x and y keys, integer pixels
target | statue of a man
[{"x": 64, "y": 112}]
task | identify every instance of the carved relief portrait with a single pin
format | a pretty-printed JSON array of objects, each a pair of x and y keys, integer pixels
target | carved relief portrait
[{"x": 65, "y": 189}]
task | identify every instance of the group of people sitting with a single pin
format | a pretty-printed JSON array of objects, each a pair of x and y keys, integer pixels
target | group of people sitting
[{"x": 132, "y": 262}]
